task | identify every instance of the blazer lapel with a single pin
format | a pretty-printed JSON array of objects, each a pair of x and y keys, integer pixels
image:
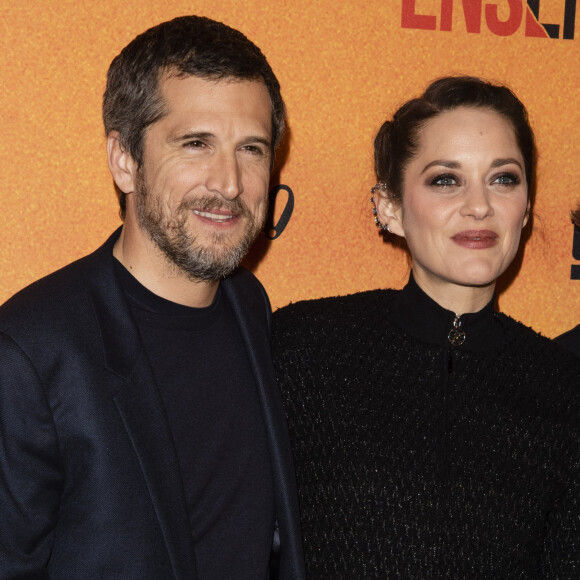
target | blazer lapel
[
  {"x": 141, "y": 408},
  {"x": 252, "y": 310}
]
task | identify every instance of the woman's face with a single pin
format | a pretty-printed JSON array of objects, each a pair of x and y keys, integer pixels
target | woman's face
[{"x": 464, "y": 200}]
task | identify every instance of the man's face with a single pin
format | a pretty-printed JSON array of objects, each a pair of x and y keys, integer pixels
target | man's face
[{"x": 201, "y": 193}]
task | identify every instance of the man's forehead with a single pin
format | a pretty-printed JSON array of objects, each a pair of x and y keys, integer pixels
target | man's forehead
[
  {"x": 245, "y": 100},
  {"x": 173, "y": 78},
  {"x": 194, "y": 105}
]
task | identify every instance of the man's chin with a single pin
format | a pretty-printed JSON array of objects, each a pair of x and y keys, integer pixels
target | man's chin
[
  {"x": 205, "y": 257},
  {"x": 205, "y": 264},
  {"x": 209, "y": 273}
]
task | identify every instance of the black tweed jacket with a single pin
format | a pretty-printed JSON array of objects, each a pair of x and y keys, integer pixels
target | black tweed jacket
[{"x": 418, "y": 459}]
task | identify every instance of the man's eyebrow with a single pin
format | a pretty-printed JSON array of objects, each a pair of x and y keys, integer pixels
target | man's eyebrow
[
  {"x": 256, "y": 139},
  {"x": 207, "y": 135},
  {"x": 193, "y": 136}
]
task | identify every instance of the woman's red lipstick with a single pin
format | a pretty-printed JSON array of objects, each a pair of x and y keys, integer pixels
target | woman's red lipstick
[{"x": 476, "y": 239}]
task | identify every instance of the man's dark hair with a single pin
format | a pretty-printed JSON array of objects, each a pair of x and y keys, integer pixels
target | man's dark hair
[{"x": 188, "y": 45}]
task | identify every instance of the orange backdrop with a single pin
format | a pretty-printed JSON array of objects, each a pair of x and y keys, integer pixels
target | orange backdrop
[{"x": 344, "y": 67}]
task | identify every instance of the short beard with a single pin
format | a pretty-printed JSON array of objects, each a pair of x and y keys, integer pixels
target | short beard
[{"x": 169, "y": 233}]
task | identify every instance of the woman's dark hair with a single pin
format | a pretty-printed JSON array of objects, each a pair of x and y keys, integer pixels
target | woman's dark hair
[
  {"x": 397, "y": 140},
  {"x": 188, "y": 45}
]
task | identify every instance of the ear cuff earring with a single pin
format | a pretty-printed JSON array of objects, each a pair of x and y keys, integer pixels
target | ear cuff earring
[{"x": 380, "y": 186}]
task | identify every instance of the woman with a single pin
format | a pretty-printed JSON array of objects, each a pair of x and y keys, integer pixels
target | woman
[{"x": 434, "y": 437}]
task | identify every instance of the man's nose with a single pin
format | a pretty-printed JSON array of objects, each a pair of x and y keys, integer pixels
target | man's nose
[{"x": 224, "y": 175}]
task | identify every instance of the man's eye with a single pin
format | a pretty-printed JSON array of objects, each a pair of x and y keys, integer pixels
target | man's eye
[
  {"x": 195, "y": 144},
  {"x": 255, "y": 149}
]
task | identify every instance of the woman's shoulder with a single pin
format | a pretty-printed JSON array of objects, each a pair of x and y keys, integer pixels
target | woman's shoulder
[
  {"x": 527, "y": 340},
  {"x": 550, "y": 373},
  {"x": 335, "y": 310},
  {"x": 570, "y": 340}
]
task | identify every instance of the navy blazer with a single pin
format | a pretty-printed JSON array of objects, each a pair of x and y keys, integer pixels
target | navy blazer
[{"x": 89, "y": 479}]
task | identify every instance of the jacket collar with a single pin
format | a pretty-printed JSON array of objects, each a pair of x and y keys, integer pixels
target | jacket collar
[
  {"x": 252, "y": 311},
  {"x": 140, "y": 406},
  {"x": 421, "y": 317}
]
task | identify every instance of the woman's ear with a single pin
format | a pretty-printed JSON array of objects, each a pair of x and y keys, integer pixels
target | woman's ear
[
  {"x": 527, "y": 215},
  {"x": 122, "y": 166},
  {"x": 389, "y": 213}
]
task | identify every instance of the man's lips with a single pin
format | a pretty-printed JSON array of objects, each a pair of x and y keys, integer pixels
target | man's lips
[
  {"x": 216, "y": 215},
  {"x": 476, "y": 239}
]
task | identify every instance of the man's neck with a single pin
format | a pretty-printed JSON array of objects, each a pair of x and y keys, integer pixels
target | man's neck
[{"x": 150, "y": 267}]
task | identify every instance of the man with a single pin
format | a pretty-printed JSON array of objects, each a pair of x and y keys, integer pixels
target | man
[{"x": 142, "y": 434}]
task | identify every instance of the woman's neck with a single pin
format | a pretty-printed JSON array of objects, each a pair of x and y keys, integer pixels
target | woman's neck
[{"x": 455, "y": 297}]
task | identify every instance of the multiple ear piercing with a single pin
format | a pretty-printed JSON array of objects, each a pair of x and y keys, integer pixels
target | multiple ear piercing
[{"x": 380, "y": 186}]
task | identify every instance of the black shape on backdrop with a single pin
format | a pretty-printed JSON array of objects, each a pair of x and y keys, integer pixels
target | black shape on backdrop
[
  {"x": 575, "y": 271},
  {"x": 553, "y": 30},
  {"x": 272, "y": 230}
]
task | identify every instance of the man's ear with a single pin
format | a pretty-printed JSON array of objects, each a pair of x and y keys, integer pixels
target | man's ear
[
  {"x": 122, "y": 166},
  {"x": 390, "y": 214}
]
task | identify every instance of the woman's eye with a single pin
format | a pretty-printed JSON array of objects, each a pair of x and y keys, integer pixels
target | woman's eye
[
  {"x": 507, "y": 179},
  {"x": 446, "y": 180}
]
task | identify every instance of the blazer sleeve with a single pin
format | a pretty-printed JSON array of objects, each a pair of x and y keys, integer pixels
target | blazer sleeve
[{"x": 31, "y": 473}]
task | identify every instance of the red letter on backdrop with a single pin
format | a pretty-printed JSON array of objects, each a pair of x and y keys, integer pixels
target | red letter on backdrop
[
  {"x": 472, "y": 11},
  {"x": 508, "y": 27},
  {"x": 533, "y": 27},
  {"x": 446, "y": 15},
  {"x": 411, "y": 20}
]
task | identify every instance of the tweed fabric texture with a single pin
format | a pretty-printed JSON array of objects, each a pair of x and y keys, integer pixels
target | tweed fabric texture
[{"x": 416, "y": 459}]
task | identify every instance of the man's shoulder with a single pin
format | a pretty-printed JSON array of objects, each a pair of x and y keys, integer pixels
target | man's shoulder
[
  {"x": 46, "y": 288},
  {"x": 242, "y": 284},
  {"x": 54, "y": 297},
  {"x": 242, "y": 277}
]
